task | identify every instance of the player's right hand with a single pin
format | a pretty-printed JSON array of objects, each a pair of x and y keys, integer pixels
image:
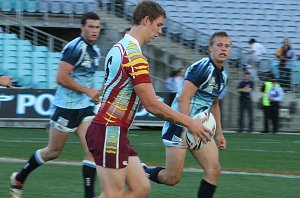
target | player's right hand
[
  {"x": 200, "y": 131},
  {"x": 6, "y": 81},
  {"x": 95, "y": 95}
]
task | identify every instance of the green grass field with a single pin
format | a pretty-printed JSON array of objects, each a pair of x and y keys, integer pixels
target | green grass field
[{"x": 253, "y": 166}]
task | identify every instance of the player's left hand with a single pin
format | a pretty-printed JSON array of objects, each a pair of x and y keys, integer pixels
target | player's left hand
[{"x": 221, "y": 141}]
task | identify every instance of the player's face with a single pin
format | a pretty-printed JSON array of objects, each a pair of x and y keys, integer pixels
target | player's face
[
  {"x": 155, "y": 28},
  {"x": 220, "y": 50},
  {"x": 90, "y": 31}
]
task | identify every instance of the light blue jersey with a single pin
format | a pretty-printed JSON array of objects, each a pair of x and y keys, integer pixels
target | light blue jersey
[
  {"x": 85, "y": 59},
  {"x": 211, "y": 81}
]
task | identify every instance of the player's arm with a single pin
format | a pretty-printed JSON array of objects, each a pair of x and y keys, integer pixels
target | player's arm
[
  {"x": 184, "y": 99},
  {"x": 64, "y": 79},
  {"x": 148, "y": 98},
  {"x": 215, "y": 110}
]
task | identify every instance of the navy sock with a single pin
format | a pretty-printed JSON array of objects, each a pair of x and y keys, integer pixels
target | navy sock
[
  {"x": 89, "y": 174},
  {"x": 206, "y": 190},
  {"x": 152, "y": 173},
  {"x": 28, "y": 167}
]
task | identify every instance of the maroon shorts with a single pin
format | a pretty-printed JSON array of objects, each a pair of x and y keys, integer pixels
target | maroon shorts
[{"x": 109, "y": 145}]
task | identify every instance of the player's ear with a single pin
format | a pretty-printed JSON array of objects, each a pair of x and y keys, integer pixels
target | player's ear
[{"x": 146, "y": 20}]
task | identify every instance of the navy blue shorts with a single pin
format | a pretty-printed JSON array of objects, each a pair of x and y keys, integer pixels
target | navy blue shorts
[{"x": 68, "y": 120}]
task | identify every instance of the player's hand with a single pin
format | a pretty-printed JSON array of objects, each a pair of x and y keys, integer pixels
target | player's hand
[
  {"x": 6, "y": 81},
  {"x": 200, "y": 131},
  {"x": 221, "y": 141},
  {"x": 95, "y": 95}
]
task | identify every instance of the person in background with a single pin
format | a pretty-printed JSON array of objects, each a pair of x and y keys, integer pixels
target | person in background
[
  {"x": 285, "y": 55},
  {"x": 257, "y": 50},
  {"x": 6, "y": 81},
  {"x": 170, "y": 87},
  {"x": 266, "y": 102},
  {"x": 179, "y": 78},
  {"x": 73, "y": 105},
  {"x": 245, "y": 87},
  {"x": 127, "y": 84},
  {"x": 275, "y": 96}
]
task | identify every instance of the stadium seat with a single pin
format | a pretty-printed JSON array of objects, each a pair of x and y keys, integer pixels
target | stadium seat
[
  {"x": 67, "y": 6},
  {"x": 295, "y": 77},
  {"x": 6, "y": 6},
  {"x": 30, "y": 5},
  {"x": 91, "y": 5},
  {"x": 55, "y": 6},
  {"x": 40, "y": 81},
  {"x": 42, "y": 6},
  {"x": 40, "y": 48},
  {"x": 80, "y": 7}
]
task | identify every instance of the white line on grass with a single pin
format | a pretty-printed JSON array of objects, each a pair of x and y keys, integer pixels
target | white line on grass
[{"x": 188, "y": 170}]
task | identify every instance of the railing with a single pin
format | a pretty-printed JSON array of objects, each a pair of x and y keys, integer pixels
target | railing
[{"x": 36, "y": 36}]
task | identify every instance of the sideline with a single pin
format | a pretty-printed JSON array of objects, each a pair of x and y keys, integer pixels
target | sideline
[{"x": 187, "y": 170}]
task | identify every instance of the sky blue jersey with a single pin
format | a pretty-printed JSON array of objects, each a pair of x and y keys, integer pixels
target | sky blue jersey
[
  {"x": 85, "y": 59},
  {"x": 210, "y": 82}
]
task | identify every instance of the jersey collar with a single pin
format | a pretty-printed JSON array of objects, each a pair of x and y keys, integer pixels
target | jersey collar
[{"x": 131, "y": 38}]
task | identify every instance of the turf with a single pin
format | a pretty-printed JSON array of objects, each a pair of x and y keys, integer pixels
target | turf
[{"x": 254, "y": 165}]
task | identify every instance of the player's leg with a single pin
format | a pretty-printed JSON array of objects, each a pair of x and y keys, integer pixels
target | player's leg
[
  {"x": 175, "y": 155},
  {"x": 88, "y": 164},
  {"x": 112, "y": 181},
  {"x": 113, "y": 154},
  {"x": 137, "y": 182},
  {"x": 56, "y": 142},
  {"x": 208, "y": 158}
]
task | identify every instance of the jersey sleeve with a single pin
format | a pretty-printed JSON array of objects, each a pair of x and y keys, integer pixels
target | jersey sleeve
[
  {"x": 137, "y": 68},
  {"x": 71, "y": 53},
  {"x": 197, "y": 74}
]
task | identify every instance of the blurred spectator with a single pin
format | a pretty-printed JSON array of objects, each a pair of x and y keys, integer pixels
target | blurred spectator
[
  {"x": 275, "y": 95},
  {"x": 285, "y": 55},
  {"x": 272, "y": 92},
  {"x": 257, "y": 50},
  {"x": 245, "y": 88},
  {"x": 170, "y": 87},
  {"x": 179, "y": 79},
  {"x": 6, "y": 81}
]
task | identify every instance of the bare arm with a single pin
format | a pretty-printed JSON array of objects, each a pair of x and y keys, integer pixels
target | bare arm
[
  {"x": 147, "y": 96},
  {"x": 63, "y": 78},
  {"x": 215, "y": 110}
]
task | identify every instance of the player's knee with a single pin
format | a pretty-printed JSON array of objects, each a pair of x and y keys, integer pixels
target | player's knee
[
  {"x": 143, "y": 190},
  {"x": 214, "y": 172},
  {"x": 173, "y": 179}
]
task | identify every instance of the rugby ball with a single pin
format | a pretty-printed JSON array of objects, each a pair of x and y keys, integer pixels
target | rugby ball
[{"x": 209, "y": 123}]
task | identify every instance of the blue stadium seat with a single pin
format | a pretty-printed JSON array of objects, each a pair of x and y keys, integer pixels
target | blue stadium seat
[
  {"x": 55, "y": 6},
  {"x": 295, "y": 77},
  {"x": 7, "y": 5},
  {"x": 30, "y": 5},
  {"x": 91, "y": 5},
  {"x": 67, "y": 6},
  {"x": 40, "y": 48},
  {"x": 80, "y": 7},
  {"x": 42, "y": 6},
  {"x": 9, "y": 36}
]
